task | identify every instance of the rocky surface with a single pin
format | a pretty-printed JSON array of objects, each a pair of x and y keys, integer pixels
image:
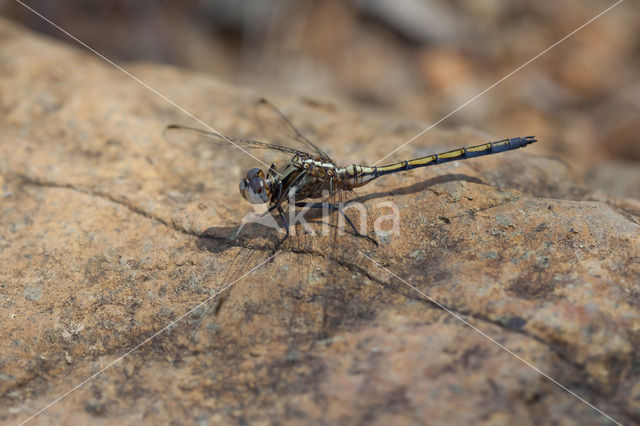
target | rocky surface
[{"x": 110, "y": 232}]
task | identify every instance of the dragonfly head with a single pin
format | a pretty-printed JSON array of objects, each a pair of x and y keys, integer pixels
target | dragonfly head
[{"x": 254, "y": 187}]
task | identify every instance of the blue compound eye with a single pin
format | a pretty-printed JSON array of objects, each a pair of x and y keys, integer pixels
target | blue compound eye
[{"x": 254, "y": 187}]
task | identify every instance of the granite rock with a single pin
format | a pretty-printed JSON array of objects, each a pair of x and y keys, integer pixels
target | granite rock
[{"x": 110, "y": 233}]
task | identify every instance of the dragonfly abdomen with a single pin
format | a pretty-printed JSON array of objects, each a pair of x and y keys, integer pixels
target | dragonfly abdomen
[{"x": 360, "y": 175}]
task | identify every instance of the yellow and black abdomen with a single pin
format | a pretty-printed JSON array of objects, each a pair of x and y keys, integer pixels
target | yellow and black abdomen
[{"x": 360, "y": 175}]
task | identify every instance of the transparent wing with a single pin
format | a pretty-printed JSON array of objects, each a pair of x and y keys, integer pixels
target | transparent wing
[
  {"x": 217, "y": 138},
  {"x": 275, "y": 124},
  {"x": 234, "y": 152}
]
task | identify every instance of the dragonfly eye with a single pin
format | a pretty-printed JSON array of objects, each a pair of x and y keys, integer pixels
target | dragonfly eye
[{"x": 254, "y": 187}]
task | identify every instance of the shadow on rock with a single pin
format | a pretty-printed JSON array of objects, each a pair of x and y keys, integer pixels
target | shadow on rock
[
  {"x": 254, "y": 236},
  {"x": 421, "y": 186}
]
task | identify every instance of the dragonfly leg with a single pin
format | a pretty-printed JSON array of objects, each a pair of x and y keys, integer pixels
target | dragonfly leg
[
  {"x": 286, "y": 228},
  {"x": 336, "y": 207}
]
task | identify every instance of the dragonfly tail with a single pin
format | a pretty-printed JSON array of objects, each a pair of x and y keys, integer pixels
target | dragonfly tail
[{"x": 360, "y": 175}]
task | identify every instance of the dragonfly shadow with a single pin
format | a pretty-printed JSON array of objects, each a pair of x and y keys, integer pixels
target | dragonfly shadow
[
  {"x": 421, "y": 186},
  {"x": 218, "y": 239}
]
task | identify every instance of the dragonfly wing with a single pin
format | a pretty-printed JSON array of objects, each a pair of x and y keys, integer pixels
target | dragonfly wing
[
  {"x": 217, "y": 159},
  {"x": 220, "y": 139},
  {"x": 276, "y": 124}
]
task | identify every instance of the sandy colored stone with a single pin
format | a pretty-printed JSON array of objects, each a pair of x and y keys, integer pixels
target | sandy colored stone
[
  {"x": 110, "y": 232},
  {"x": 622, "y": 179}
]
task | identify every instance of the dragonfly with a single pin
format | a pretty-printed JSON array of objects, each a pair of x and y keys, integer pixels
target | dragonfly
[{"x": 310, "y": 173}]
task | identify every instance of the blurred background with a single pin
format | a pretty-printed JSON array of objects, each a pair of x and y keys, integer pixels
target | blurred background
[{"x": 419, "y": 59}]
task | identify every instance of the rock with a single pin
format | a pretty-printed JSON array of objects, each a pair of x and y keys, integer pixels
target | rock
[
  {"x": 33, "y": 294},
  {"x": 622, "y": 179},
  {"x": 121, "y": 233}
]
